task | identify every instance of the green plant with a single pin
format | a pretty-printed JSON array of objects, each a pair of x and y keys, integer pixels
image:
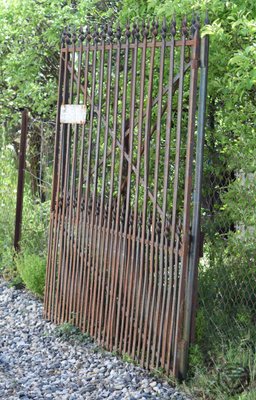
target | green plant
[
  {"x": 68, "y": 331},
  {"x": 31, "y": 268},
  {"x": 229, "y": 373}
]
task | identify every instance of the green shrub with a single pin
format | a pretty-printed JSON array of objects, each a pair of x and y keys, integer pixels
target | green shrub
[
  {"x": 8, "y": 183},
  {"x": 31, "y": 268},
  {"x": 69, "y": 332}
]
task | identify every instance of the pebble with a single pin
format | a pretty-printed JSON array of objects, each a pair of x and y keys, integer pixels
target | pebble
[{"x": 35, "y": 363}]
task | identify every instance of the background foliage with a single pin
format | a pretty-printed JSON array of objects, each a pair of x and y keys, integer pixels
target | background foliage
[{"x": 29, "y": 46}]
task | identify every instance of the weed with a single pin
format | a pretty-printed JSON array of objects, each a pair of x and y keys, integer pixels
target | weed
[
  {"x": 31, "y": 268},
  {"x": 69, "y": 332}
]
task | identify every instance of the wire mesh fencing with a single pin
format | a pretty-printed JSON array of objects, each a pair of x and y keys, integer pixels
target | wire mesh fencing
[{"x": 227, "y": 273}]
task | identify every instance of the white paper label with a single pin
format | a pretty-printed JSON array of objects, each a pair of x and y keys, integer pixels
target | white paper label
[{"x": 73, "y": 114}]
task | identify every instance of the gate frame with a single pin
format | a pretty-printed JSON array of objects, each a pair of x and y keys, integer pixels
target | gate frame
[{"x": 191, "y": 242}]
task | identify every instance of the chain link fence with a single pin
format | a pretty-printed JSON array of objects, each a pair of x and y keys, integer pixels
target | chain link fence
[{"x": 227, "y": 273}]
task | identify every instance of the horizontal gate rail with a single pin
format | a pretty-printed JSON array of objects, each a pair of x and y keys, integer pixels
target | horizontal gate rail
[{"x": 119, "y": 258}]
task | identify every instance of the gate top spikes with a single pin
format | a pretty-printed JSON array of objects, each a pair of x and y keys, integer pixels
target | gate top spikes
[
  {"x": 118, "y": 32},
  {"x": 136, "y": 31},
  {"x": 184, "y": 27},
  {"x": 110, "y": 32},
  {"x": 128, "y": 31},
  {"x": 81, "y": 35},
  {"x": 173, "y": 27},
  {"x": 206, "y": 21},
  {"x": 164, "y": 29}
]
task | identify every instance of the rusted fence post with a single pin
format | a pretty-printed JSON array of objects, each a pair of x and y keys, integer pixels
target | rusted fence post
[
  {"x": 191, "y": 290},
  {"x": 20, "y": 186}
]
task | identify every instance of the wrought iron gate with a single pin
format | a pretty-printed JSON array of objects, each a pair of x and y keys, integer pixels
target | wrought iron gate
[{"x": 124, "y": 230}]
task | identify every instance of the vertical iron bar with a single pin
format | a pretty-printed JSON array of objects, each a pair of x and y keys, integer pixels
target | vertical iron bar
[
  {"x": 92, "y": 232},
  {"x": 54, "y": 288},
  {"x": 54, "y": 197},
  {"x": 145, "y": 199},
  {"x": 123, "y": 264},
  {"x": 137, "y": 188},
  {"x": 167, "y": 344},
  {"x": 67, "y": 209},
  {"x": 108, "y": 242},
  {"x": 97, "y": 240},
  {"x": 118, "y": 229},
  {"x": 53, "y": 298},
  {"x": 155, "y": 311},
  {"x": 75, "y": 205},
  {"x": 179, "y": 347},
  {"x": 165, "y": 192},
  {"x": 81, "y": 221},
  {"x": 21, "y": 176},
  {"x": 80, "y": 211},
  {"x": 87, "y": 195},
  {"x": 102, "y": 237},
  {"x": 194, "y": 250}
]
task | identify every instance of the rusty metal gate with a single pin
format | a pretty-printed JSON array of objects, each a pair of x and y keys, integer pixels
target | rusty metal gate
[{"x": 125, "y": 214}]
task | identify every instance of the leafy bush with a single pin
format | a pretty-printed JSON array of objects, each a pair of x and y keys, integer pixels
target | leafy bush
[
  {"x": 31, "y": 268},
  {"x": 35, "y": 214},
  {"x": 8, "y": 177},
  {"x": 229, "y": 374}
]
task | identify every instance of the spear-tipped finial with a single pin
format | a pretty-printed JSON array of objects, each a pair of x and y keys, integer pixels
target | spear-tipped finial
[
  {"x": 88, "y": 34},
  {"x": 118, "y": 32},
  {"x": 134, "y": 26},
  {"x": 63, "y": 37},
  {"x": 95, "y": 34},
  {"x": 137, "y": 34},
  {"x": 197, "y": 23},
  {"x": 68, "y": 36},
  {"x": 128, "y": 30},
  {"x": 184, "y": 27},
  {"x": 103, "y": 34},
  {"x": 164, "y": 29},
  {"x": 110, "y": 32},
  {"x": 81, "y": 34},
  {"x": 154, "y": 28},
  {"x": 173, "y": 26},
  {"x": 193, "y": 24},
  {"x": 145, "y": 29},
  {"x": 74, "y": 37},
  {"x": 207, "y": 21}
]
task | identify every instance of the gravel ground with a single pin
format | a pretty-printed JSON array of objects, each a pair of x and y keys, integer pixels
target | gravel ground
[{"x": 35, "y": 363}]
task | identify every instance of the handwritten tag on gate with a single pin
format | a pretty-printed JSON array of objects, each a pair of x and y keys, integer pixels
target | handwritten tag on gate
[{"x": 73, "y": 114}]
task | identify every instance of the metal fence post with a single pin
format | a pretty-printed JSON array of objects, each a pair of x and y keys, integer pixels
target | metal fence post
[
  {"x": 190, "y": 303},
  {"x": 21, "y": 175}
]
